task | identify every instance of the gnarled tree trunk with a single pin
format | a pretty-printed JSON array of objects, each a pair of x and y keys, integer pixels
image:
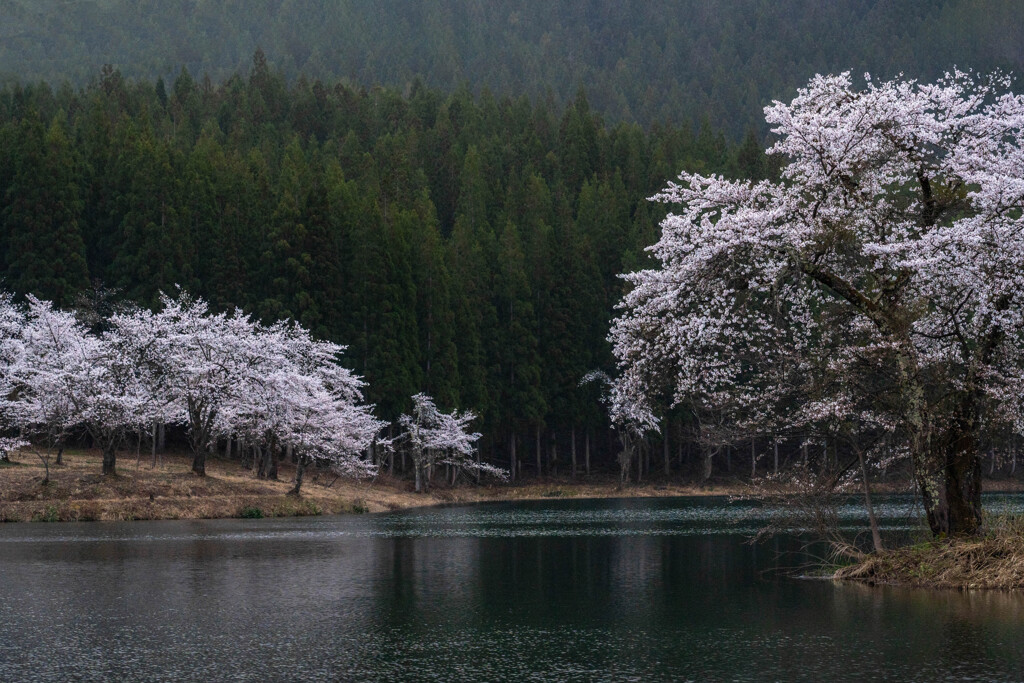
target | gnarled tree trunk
[{"x": 948, "y": 472}]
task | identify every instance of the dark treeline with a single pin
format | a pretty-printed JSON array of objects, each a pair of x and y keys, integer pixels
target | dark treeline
[
  {"x": 639, "y": 60},
  {"x": 467, "y": 247}
]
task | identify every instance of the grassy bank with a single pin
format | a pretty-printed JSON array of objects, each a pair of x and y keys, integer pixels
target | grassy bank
[
  {"x": 77, "y": 491},
  {"x": 993, "y": 560}
]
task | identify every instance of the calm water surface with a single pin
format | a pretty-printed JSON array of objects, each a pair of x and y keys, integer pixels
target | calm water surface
[{"x": 639, "y": 590}]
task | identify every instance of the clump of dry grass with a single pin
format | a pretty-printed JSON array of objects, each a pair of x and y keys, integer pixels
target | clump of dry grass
[{"x": 994, "y": 559}]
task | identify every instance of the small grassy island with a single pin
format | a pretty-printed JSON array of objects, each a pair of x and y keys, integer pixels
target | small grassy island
[{"x": 993, "y": 559}]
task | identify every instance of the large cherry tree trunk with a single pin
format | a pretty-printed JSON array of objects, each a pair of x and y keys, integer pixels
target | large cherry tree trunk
[
  {"x": 300, "y": 470},
  {"x": 109, "y": 459},
  {"x": 948, "y": 472},
  {"x": 199, "y": 462}
]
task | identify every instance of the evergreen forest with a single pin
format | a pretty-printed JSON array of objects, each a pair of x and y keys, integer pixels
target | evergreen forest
[
  {"x": 463, "y": 246},
  {"x": 450, "y": 189},
  {"x": 639, "y": 60}
]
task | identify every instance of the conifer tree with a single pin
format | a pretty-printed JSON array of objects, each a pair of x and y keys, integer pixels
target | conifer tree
[
  {"x": 521, "y": 396},
  {"x": 155, "y": 251},
  {"x": 436, "y": 319},
  {"x": 45, "y": 253}
]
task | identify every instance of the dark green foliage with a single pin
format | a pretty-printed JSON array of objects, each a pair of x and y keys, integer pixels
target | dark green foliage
[
  {"x": 463, "y": 246},
  {"x": 251, "y": 512},
  {"x": 41, "y": 211},
  {"x": 639, "y": 60}
]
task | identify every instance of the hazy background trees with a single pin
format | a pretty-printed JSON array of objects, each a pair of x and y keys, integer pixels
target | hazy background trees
[{"x": 639, "y": 60}]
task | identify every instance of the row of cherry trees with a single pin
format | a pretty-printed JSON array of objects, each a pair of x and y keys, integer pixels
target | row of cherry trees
[{"x": 220, "y": 375}]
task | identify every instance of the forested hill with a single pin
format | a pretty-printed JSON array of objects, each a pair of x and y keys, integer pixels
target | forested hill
[
  {"x": 464, "y": 246},
  {"x": 639, "y": 60}
]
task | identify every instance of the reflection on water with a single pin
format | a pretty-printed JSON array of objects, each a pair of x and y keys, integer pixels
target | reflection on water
[{"x": 559, "y": 590}]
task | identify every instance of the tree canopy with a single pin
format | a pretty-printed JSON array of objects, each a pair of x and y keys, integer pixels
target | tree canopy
[{"x": 877, "y": 283}]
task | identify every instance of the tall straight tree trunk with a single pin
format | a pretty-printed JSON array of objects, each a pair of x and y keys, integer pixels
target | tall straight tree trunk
[
  {"x": 275, "y": 458},
  {"x": 586, "y": 451},
  {"x": 753, "y": 459},
  {"x": 775, "y": 469},
  {"x": 512, "y": 456},
  {"x": 666, "y": 453},
  {"x": 539, "y": 471},
  {"x": 553, "y": 462},
  {"x": 572, "y": 437},
  {"x": 138, "y": 448},
  {"x": 639, "y": 463}
]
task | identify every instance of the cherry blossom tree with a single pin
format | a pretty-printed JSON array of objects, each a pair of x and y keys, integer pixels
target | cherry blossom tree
[
  {"x": 109, "y": 391},
  {"x": 196, "y": 360},
  {"x": 59, "y": 376},
  {"x": 12, "y": 322},
  {"x": 298, "y": 396},
  {"x": 878, "y": 280},
  {"x": 136, "y": 336},
  {"x": 41, "y": 373},
  {"x": 632, "y": 419},
  {"x": 435, "y": 437}
]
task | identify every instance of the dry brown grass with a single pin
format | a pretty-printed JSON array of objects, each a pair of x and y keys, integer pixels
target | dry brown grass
[
  {"x": 77, "y": 491},
  {"x": 993, "y": 560}
]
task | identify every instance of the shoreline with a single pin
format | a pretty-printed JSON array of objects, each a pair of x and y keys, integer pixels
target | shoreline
[
  {"x": 169, "y": 490},
  {"x": 141, "y": 491}
]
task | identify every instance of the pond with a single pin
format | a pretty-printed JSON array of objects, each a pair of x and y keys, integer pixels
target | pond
[{"x": 561, "y": 590}]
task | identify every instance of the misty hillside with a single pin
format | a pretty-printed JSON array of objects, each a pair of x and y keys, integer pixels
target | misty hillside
[{"x": 642, "y": 60}]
